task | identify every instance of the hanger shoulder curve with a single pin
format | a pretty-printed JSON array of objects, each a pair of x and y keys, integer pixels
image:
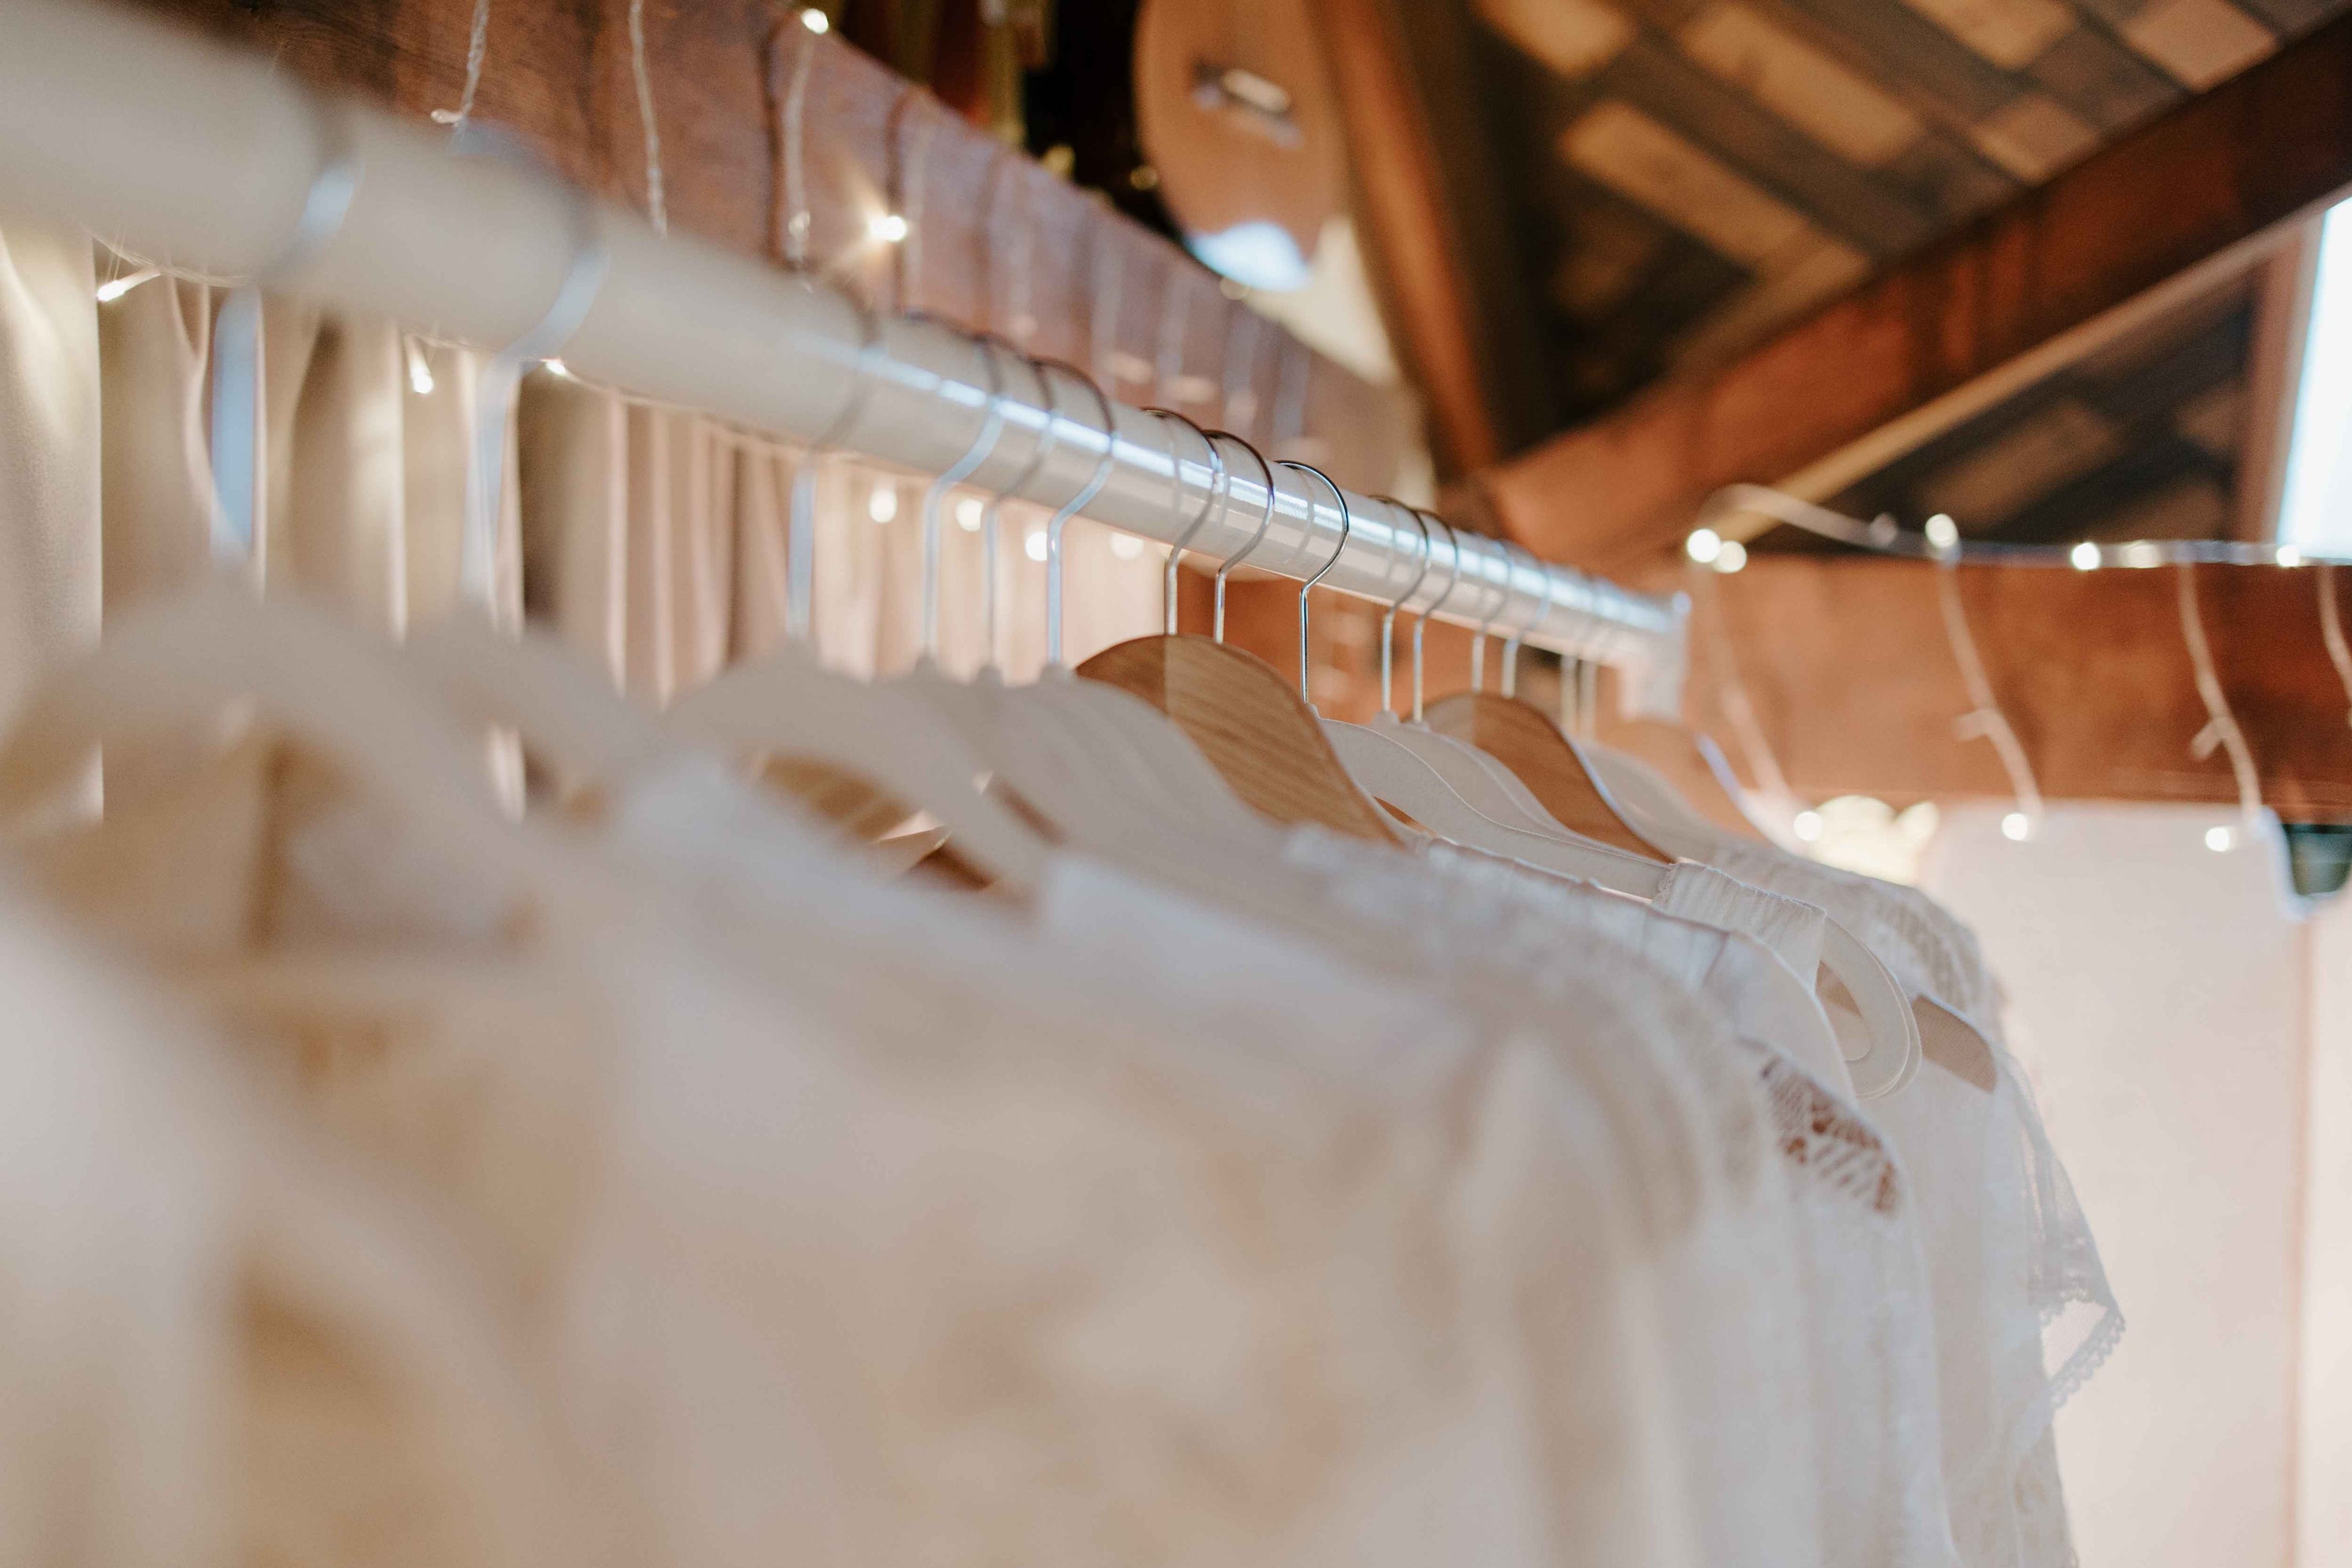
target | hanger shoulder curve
[
  {"x": 1250, "y": 723},
  {"x": 1529, "y": 743}
]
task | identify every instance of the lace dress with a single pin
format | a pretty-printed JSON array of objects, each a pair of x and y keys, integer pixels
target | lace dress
[
  {"x": 2024, "y": 1314},
  {"x": 1866, "y": 1315}
]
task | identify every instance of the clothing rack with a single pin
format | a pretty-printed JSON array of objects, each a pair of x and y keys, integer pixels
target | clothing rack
[{"x": 204, "y": 160}]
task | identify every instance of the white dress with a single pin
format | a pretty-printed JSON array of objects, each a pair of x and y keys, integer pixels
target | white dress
[{"x": 2024, "y": 1311}]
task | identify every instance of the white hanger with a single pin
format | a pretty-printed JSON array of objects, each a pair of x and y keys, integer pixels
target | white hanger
[{"x": 789, "y": 705}]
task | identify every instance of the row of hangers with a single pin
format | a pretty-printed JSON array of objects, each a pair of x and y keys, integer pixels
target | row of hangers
[{"x": 1178, "y": 755}]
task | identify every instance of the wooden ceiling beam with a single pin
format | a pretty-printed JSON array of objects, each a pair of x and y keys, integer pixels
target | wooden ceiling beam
[
  {"x": 1431, "y": 221},
  {"x": 2183, "y": 191},
  {"x": 1848, "y": 669}
]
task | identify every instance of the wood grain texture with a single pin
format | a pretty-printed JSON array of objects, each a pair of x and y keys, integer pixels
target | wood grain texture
[
  {"x": 1852, "y": 676},
  {"x": 1000, "y": 242},
  {"x": 1433, "y": 219},
  {"x": 1527, "y": 743},
  {"x": 2223, "y": 167},
  {"x": 1249, "y": 722}
]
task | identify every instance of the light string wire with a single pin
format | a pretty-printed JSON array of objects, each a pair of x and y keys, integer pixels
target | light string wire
[
  {"x": 2221, "y": 725},
  {"x": 1884, "y": 536},
  {"x": 2331, "y": 628},
  {"x": 656, "y": 204},
  {"x": 1985, "y": 720},
  {"x": 478, "y": 47}
]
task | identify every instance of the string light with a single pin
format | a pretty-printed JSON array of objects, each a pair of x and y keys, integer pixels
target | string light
[
  {"x": 1126, "y": 546},
  {"x": 116, "y": 288},
  {"x": 1938, "y": 539},
  {"x": 1033, "y": 546},
  {"x": 967, "y": 514},
  {"x": 816, "y": 21},
  {"x": 1730, "y": 556},
  {"x": 420, "y": 374},
  {"x": 2221, "y": 840},
  {"x": 887, "y": 228},
  {"x": 557, "y": 367},
  {"x": 882, "y": 504},
  {"x": 2017, "y": 827},
  {"x": 1808, "y": 825}
]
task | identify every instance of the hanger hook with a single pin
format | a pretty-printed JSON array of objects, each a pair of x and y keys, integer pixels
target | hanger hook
[
  {"x": 237, "y": 423},
  {"x": 1539, "y": 609},
  {"x": 1347, "y": 526},
  {"x": 800, "y": 543},
  {"x": 1389, "y": 613},
  {"x": 1420, "y": 626},
  {"x": 983, "y": 445},
  {"x": 1266, "y": 472},
  {"x": 1209, "y": 500},
  {"x": 1076, "y": 503},
  {"x": 1485, "y": 624},
  {"x": 494, "y": 386},
  {"x": 991, "y": 513}
]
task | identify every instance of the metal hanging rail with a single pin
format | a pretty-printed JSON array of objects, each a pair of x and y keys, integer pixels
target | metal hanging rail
[{"x": 204, "y": 161}]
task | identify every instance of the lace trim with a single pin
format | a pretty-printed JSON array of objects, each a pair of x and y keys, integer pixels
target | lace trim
[{"x": 1829, "y": 1140}]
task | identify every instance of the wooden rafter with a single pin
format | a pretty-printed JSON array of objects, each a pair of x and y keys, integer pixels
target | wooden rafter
[
  {"x": 1430, "y": 212},
  {"x": 2215, "y": 173}
]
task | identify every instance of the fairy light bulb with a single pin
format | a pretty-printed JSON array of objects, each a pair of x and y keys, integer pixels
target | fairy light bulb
[
  {"x": 1126, "y": 546},
  {"x": 887, "y": 228},
  {"x": 882, "y": 505},
  {"x": 1942, "y": 533},
  {"x": 967, "y": 514},
  {"x": 816, "y": 21},
  {"x": 2084, "y": 556},
  {"x": 1033, "y": 546},
  {"x": 116, "y": 288},
  {"x": 1730, "y": 556},
  {"x": 1808, "y": 827},
  {"x": 1703, "y": 546},
  {"x": 2017, "y": 827},
  {"x": 2221, "y": 840}
]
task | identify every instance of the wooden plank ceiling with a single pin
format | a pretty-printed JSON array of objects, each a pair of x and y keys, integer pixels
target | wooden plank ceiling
[{"x": 1689, "y": 174}]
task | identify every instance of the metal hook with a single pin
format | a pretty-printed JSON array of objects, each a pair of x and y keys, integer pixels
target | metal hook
[
  {"x": 800, "y": 543},
  {"x": 237, "y": 424},
  {"x": 1347, "y": 526},
  {"x": 1389, "y": 614},
  {"x": 1076, "y": 504},
  {"x": 983, "y": 444},
  {"x": 991, "y": 513},
  {"x": 1535, "y": 618},
  {"x": 1209, "y": 501},
  {"x": 1265, "y": 523},
  {"x": 494, "y": 386},
  {"x": 1479, "y": 643},
  {"x": 1420, "y": 626}
]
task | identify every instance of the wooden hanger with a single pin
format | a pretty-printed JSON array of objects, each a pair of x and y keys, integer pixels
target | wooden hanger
[{"x": 1258, "y": 733}]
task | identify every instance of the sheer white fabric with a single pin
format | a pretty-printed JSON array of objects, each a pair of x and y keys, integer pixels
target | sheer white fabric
[{"x": 2024, "y": 1311}]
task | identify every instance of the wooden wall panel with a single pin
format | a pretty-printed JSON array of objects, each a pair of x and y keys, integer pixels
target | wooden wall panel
[{"x": 993, "y": 227}]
